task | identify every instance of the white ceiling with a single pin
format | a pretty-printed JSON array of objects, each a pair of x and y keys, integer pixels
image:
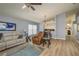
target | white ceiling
[{"x": 49, "y": 10}]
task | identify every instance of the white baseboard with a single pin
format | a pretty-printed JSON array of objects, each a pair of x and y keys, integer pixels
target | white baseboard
[
  {"x": 60, "y": 38},
  {"x": 77, "y": 40}
]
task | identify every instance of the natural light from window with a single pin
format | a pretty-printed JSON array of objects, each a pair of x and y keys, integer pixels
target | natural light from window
[{"x": 32, "y": 29}]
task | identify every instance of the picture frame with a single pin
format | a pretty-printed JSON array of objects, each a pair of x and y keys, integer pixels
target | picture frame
[{"x": 7, "y": 26}]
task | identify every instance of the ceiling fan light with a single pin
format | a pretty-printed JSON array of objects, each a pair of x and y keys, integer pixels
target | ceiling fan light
[
  {"x": 24, "y": 6},
  {"x": 68, "y": 25}
]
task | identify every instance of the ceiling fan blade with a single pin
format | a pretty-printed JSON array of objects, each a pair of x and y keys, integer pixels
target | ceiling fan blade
[
  {"x": 27, "y": 4},
  {"x": 36, "y": 3},
  {"x": 32, "y": 8}
]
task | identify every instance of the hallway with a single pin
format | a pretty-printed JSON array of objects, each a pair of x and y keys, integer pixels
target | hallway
[{"x": 68, "y": 47}]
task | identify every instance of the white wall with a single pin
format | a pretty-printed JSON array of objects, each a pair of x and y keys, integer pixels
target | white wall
[
  {"x": 60, "y": 26},
  {"x": 77, "y": 23},
  {"x": 41, "y": 28},
  {"x": 20, "y": 24}
]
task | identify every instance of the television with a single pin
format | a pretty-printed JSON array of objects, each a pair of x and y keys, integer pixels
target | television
[{"x": 7, "y": 26}]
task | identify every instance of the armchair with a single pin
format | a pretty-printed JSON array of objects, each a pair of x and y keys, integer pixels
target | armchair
[{"x": 37, "y": 39}]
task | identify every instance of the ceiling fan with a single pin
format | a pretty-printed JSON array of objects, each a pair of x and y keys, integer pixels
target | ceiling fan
[{"x": 30, "y": 5}]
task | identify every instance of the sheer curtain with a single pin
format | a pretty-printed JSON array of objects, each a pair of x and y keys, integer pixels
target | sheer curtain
[{"x": 32, "y": 29}]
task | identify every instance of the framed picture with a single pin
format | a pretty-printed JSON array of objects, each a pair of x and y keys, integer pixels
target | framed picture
[
  {"x": 77, "y": 27},
  {"x": 7, "y": 26}
]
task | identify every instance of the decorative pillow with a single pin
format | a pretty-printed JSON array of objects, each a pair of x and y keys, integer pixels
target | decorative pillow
[
  {"x": 1, "y": 35},
  {"x": 20, "y": 36}
]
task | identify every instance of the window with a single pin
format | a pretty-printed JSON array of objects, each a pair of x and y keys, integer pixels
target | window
[
  {"x": 29, "y": 29},
  {"x": 32, "y": 29}
]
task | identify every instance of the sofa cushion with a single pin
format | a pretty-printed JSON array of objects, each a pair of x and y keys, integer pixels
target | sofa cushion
[
  {"x": 11, "y": 42},
  {"x": 15, "y": 37},
  {"x": 20, "y": 41},
  {"x": 2, "y": 46},
  {"x": 8, "y": 38}
]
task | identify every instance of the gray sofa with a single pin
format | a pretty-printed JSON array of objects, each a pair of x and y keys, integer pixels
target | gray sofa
[{"x": 10, "y": 39}]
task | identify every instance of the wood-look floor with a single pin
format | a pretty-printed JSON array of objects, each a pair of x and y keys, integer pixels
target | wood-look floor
[
  {"x": 58, "y": 47},
  {"x": 68, "y": 47}
]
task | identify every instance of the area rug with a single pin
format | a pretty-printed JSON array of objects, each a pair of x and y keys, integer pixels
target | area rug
[{"x": 30, "y": 50}]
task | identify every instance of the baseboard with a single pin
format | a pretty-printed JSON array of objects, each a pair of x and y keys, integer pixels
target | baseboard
[
  {"x": 60, "y": 38},
  {"x": 77, "y": 40},
  {"x": 52, "y": 37}
]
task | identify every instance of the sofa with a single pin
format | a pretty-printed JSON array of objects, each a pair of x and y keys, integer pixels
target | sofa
[
  {"x": 37, "y": 39},
  {"x": 10, "y": 39}
]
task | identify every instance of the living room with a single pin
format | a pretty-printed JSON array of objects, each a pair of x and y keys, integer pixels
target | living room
[{"x": 23, "y": 27}]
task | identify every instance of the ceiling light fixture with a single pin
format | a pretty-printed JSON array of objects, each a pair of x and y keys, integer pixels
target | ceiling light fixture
[{"x": 68, "y": 25}]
